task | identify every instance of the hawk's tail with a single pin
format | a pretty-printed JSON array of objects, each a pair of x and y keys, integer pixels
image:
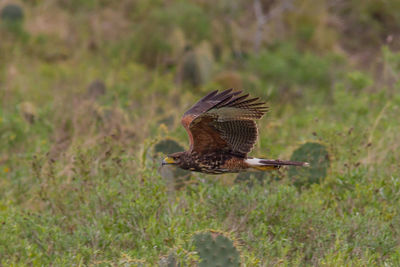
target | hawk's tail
[{"x": 268, "y": 164}]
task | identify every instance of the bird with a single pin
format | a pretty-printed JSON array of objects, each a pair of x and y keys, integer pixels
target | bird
[{"x": 222, "y": 130}]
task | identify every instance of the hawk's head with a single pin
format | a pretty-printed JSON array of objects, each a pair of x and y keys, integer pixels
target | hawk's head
[{"x": 174, "y": 159}]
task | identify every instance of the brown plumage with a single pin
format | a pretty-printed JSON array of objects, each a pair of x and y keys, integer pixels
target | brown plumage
[{"x": 222, "y": 130}]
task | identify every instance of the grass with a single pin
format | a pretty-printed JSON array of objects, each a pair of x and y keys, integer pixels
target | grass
[{"x": 78, "y": 181}]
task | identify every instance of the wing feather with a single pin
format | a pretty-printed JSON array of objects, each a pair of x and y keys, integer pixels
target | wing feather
[
  {"x": 224, "y": 122},
  {"x": 241, "y": 135}
]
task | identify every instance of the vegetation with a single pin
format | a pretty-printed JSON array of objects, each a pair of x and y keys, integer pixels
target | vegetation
[
  {"x": 317, "y": 156},
  {"x": 216, "y": 249},
  {"x": 89, "y": 88}
]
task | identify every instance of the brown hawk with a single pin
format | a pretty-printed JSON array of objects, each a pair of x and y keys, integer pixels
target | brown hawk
[{"x": 222, "y": 130}]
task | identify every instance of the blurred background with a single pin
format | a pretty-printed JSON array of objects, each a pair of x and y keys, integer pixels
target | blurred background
[{"x": 92, "y": 93}]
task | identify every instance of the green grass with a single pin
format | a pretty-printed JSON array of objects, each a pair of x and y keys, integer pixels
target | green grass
[{"x": 79, "y": 184}]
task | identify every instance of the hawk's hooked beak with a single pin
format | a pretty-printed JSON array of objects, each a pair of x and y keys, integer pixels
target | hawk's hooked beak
[{"x": 168, "y": 160}]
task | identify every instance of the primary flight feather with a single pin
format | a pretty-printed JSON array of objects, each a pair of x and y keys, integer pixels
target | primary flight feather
[{"x": 222, "y": 130}]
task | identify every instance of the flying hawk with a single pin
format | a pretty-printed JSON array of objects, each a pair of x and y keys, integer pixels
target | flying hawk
[{"x": 222, "y": 130}]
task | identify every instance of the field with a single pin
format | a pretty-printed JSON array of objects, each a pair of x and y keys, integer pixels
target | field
[{"x": 89, "y": 88}]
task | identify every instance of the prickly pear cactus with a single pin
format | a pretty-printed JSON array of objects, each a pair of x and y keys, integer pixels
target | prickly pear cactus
[
  {"x": 175, "y": 176},
  {"x": 12, "y": 13},
  {"x": 11, "y": 19},
  {"x": 229, "y": 79},
  {"x": 197, "y": 65},
  {"x": 190, "y": 70},
  {"x": 318, "y": 157},
  {"x": 136, "y": 264},
  {"x": 28, "y": 111},
  {"x": 127, "y": 261},
  {"x": 96, "y": 89},
  {"x": 167, "y": 146},
  {"x": 216, "y": 250},
  {"x": 169, "y": 261}
]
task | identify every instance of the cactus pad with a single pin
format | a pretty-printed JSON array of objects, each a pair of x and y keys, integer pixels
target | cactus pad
[
  {"x": 216, "y": 249},
  {"x": 175, "y": 175},
  {"x": 96, "y": 89},
  {"x": 169, "y": 261},
  {"x": 28, "y": 111},
  {"x": 318, "y": 157},
  {"x": 197, "y": 65},
  {"x": 167, "y": 146},
  {"x": 12, "y": 12}
]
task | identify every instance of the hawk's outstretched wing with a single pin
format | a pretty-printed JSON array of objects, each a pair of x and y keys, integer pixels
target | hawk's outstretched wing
[{"x": 224, "y": 122}]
